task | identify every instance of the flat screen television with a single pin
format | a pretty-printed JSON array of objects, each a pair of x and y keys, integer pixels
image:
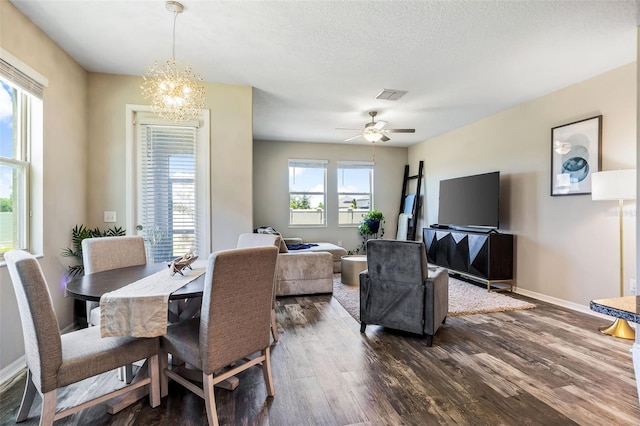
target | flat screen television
[{"x": 470, "y": 201}]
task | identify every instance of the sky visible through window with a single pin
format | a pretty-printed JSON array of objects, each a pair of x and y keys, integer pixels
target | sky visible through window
[
  {"x": 312, "y": 180},
  {"x": 6, "y": 137}
]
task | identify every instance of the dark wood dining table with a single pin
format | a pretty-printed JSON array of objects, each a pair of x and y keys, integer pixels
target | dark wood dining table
[{"x": 91, "y": 287}]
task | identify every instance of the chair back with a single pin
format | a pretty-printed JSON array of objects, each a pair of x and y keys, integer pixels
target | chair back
[
  {"x": 252, "y": 239},
  {"x": 399, "y": 261},
  {"x": 42, "y": 343},
  {"x": 236, "y": 305},
  {"x": 105, "y": 253}
]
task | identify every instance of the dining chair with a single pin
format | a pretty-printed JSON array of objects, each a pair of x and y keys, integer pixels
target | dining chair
[
  {"x": 233, "y": 324},
  {"x": 105, "y": 253},
  {"x": 55, "y": 361},
  {"x": 252, "y": 239}
]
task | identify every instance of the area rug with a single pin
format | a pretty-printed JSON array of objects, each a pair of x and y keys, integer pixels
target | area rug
[{"x": 464, "y": 299}]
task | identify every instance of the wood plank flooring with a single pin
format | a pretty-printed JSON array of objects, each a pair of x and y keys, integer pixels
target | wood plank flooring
[{"x": 546, "y": 366}]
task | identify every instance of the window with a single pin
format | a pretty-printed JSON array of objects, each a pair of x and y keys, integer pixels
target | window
[
  {"x": 355, "y": 191},
  {"x": 172, "y": 187},
  {"x": 20, "y": 133},
  {"x": 307, "y": 192}
]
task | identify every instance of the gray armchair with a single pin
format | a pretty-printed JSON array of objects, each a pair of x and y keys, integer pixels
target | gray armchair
[{"x": 398, "y": 291}]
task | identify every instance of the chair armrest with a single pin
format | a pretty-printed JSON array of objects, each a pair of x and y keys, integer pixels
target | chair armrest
[{"x": 436, "y": 299}]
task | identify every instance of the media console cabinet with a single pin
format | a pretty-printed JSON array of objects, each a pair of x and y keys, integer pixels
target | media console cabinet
[{"x": 485, "y": 257}]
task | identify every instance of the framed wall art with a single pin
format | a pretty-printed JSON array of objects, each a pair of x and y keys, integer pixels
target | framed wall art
[{"x": 575, "y": 155}]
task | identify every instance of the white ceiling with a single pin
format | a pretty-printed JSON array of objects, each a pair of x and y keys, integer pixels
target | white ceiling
[{"x": 317, "y": 65}]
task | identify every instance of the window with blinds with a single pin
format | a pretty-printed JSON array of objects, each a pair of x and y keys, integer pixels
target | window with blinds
[
  {"x": 307, "y": 192},
  {"x": 355, "y": 191},
  {"x": 21, "y": 130},
  {"x": 167, "y": 190}
]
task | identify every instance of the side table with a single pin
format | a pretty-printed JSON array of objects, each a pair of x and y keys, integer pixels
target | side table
[
  {"x": 627, "y": 308},
  {"x": 352, "y": 265}
]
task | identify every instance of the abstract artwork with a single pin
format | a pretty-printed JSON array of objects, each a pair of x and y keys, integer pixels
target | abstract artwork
[{"x": 575, "y": 154}]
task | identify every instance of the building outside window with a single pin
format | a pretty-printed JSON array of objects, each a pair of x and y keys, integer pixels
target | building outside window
[
  {"x": 355, "y": 191},
  {"x": 307, "y": 192}
]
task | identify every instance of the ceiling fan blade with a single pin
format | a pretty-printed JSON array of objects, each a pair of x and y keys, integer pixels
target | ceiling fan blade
[
  {"x": 352, "y": 138},
  {"x": 380, "y": 124},
  {"x": 399, "y": 130},
  {"x": 347, "y": 128},
  {"x": 384, "y": 138}
]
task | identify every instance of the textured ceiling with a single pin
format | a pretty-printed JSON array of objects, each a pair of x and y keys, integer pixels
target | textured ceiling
[{"x": 317, "y": 65}]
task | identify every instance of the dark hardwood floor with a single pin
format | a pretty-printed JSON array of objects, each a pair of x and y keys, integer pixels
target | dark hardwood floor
[{"x": 546, "y": 366}]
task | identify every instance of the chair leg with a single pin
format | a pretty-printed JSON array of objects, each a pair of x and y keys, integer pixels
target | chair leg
[
  {"x": 274, "y": 326},
  {"x": 266, "y": 371},
  {"x": 27, "y": 399},
  {"x": 429, "y": 340},
  {"x": 444, "y": 319},
  {"x": 164, "y": 379},
  {"x": 154, "y": 375},
  {"x": 48, "y": 408},
  {"x": 209, "y": 399},
  {"x": 363, "y": 326}
]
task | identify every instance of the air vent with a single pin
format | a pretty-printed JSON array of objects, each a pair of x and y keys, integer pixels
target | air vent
[{"x": 391, "y": 94}]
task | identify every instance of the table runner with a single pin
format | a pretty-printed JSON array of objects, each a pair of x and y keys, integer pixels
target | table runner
[{"x": 140, "y": 308}]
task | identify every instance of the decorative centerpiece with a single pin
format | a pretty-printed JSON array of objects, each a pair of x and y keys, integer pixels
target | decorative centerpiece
[{"x": 179, "y": 263}]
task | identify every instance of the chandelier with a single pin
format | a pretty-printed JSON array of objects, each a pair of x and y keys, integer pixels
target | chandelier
[{"x": 172, "y": 87}]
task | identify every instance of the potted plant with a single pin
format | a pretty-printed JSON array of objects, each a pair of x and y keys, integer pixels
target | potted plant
[
  {"x": 370, "y": 227},
  {"x": 79, "y": 233}
]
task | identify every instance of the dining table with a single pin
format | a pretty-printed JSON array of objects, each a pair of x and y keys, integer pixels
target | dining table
[{"x": 184, "y": 303}]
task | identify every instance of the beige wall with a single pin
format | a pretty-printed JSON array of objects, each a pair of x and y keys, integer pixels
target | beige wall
[
  {"x": 64, "y": 166},
  {"x": 566, "y": 247},
  {"x": 271, "y": 186},
  {"x": 231, "y": 153},
  {"x": 84, "y": 161}
]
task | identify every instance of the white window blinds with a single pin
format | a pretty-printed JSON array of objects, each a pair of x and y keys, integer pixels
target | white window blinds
[{"x": 167, "y": 190}]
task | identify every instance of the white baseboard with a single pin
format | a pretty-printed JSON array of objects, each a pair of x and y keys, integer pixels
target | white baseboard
[
  {"x": 12, "y": 369},
  {"x": 560, "y": 302}
]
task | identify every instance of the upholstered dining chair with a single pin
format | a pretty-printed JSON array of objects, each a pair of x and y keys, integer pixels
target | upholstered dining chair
[
  {"x": 105, "y": 253},
  {"x": 399, "y": 291},
  {"x": 252, "y": 239},
  {"x": 233, "y": 324},
  {"x": 55, "y": 360}
]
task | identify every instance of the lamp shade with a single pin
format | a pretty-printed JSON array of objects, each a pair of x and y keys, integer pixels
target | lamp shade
[{"x": 614, "y": 185}]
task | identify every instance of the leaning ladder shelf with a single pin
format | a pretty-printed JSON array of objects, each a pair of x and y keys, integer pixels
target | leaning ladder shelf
[{"x": 417, "y": 203}]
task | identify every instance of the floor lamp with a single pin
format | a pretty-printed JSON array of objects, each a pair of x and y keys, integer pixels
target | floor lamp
[{"x": 616, "y": 185}]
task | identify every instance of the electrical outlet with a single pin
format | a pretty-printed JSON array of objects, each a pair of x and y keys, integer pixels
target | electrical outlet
[
  {"x": 109, "y": 217},
  {"x": 632, "y": 285}
]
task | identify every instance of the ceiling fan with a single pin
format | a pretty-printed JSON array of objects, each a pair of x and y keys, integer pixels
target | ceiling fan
[{"x": 374, "y": 131}]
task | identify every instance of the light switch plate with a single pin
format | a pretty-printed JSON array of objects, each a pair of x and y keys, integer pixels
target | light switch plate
[{"x": 109, "y": 217}]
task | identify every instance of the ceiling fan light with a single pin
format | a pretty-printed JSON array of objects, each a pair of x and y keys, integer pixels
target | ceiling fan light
[{"x": 372, "y": 136}]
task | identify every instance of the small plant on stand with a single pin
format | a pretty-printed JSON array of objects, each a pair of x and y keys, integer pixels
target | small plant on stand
[{"x": 370, "y": 227}]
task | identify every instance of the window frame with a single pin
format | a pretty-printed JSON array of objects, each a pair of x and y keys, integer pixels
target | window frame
[
  {"x": 300, "y": 163},
  {"x": 342, "y": 165},
  {"x": 203, "y": 164}
]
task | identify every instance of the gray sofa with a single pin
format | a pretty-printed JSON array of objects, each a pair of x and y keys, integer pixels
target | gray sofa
[
  {"x": 299, "y": 272},
  {"x": 399, "y": 291},
  {"x": 336, "y": 251}
]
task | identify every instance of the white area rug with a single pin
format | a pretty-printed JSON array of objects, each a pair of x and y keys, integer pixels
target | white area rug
[{"x": 464, "y": 299}]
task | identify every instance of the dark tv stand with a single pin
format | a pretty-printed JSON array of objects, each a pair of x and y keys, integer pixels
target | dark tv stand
[{"x": 482, "y": 256}]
